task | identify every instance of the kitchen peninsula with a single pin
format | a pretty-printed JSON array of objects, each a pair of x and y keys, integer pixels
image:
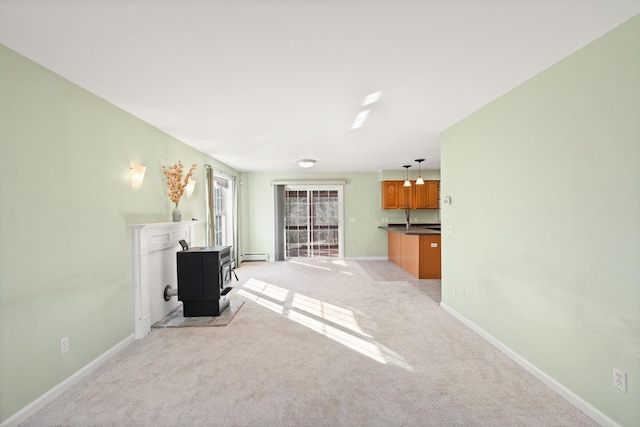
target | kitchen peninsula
[{"x": 416, "y": 249}]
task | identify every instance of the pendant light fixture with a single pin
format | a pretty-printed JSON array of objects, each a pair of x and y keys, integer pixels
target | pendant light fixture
[
  {"x": 407, "y": 183},
  {"x": 419, "y": 181}
]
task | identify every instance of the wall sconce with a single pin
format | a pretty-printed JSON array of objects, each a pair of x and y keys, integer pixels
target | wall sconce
[
  {"x": 137, "y": 175},
  {"x": 191, "y": 185}
]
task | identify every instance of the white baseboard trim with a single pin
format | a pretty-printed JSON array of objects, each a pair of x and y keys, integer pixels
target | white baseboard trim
[
  {"x": 65, "y": 385},
  {"x": 564, "y": 392}
]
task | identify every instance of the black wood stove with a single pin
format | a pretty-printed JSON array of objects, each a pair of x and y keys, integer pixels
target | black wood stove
[{"x": 204, "y": 276}]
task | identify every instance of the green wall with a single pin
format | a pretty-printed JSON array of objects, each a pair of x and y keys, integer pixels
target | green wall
[
  {"x": 65, "y": 252},
  {"x": 362, "y": 202},
  {"x": 545, "y": 188}
]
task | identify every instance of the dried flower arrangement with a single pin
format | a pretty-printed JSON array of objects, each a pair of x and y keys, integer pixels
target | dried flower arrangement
[{"x": 175, "y": 182}]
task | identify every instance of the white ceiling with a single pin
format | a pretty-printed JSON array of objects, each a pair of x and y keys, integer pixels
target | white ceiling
[{"x": 259, "y": 84}]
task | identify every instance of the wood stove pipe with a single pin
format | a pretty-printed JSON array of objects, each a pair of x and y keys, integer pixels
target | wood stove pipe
[{"x": 169, "y": 292}]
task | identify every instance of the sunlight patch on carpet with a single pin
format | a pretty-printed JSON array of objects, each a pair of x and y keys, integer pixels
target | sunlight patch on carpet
[
  {"x": 310, "y": 265},
  {"x": 336, "y": 323},
  {"x": 326, "y": 311},
  {"x": 367, "y": 348},
  {"x": 266, "y": 289}
]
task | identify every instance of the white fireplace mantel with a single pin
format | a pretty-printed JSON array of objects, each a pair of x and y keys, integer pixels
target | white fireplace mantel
[{"x": 154, "y": 267}]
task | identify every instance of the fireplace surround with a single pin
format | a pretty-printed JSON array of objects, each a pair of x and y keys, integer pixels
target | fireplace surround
[{"x": 154, "y": 267}]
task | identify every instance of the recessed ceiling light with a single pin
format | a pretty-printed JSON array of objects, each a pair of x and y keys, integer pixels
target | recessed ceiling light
[
  {"x": 360, "y": 118},
  {"x": 371, "y": 98}
]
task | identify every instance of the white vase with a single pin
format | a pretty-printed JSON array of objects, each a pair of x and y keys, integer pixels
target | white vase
[{"x": 177, "y": 215}]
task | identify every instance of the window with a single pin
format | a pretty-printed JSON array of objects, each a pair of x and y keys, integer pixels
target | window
[
  {"x": 223, "y": 212},
  {"x": 219, "y": 215}
]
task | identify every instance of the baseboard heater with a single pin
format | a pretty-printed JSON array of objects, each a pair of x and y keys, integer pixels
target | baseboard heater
[{"x": 255, "y": 257}]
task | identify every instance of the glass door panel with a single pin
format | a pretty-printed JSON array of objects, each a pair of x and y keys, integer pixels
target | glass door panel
[{"x": 296, "y": 223}]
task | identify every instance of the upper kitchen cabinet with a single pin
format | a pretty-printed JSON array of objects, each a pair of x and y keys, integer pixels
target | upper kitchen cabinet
[
  {"x": 425, "y": 196},
  {"x": 396, "y": 196}
]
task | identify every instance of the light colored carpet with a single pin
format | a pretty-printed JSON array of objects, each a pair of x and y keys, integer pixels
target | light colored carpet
[
  {"x": 317, "y": 343},
  {"x": 176, "y": 318}
]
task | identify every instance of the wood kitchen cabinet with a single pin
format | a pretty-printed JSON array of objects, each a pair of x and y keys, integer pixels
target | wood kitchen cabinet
[
  {"x": 396, "y": 196},
  {"x": 425, "y": 196},
  {"x": 417, "y": 254}
]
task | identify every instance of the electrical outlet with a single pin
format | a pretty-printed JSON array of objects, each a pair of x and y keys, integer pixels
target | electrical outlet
[
  {"x": 64, "y": 345},
  {"x": 620, "y": 379},
  {"x": 462, "y": 293}
]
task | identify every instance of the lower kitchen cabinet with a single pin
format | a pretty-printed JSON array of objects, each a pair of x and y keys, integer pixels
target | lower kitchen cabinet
[{"x": 417, "y": 254}]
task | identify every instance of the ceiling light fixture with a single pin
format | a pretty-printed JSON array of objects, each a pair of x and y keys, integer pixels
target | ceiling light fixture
[
  {"x": 419, "y": 181},
  {"x": 407, "y": 183},
  {"x": 306, "y": 163}
]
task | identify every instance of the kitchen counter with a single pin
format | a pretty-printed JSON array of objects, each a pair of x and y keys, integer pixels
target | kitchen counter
[{"x": 414, "y": 230}]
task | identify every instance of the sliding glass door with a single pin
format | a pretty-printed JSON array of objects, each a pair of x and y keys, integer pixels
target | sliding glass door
[{"x": 313, "y": 221}]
